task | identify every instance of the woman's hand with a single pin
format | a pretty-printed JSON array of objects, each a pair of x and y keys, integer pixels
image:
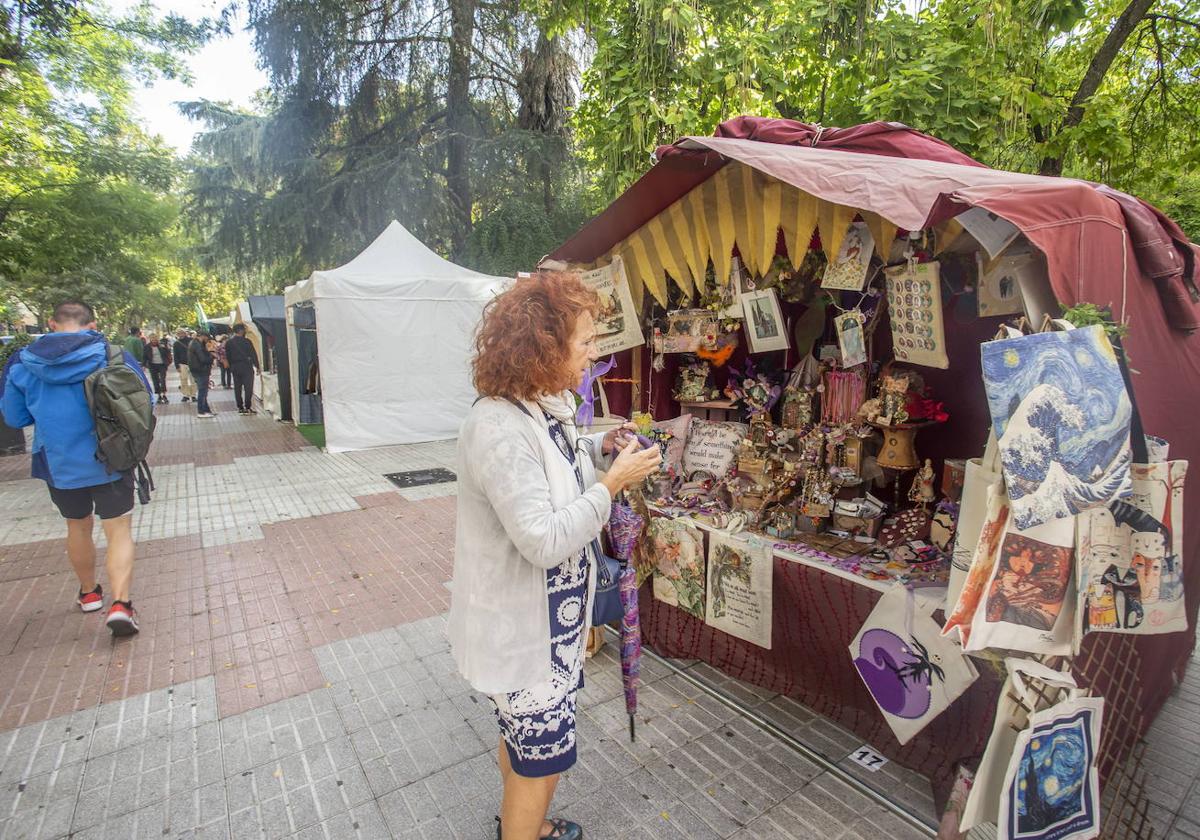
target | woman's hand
[
  {"x": 632, "y": 467},
  {"x": 615, "y": 440}
]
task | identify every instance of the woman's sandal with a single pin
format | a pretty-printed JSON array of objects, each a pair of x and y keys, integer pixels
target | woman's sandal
[{"x": 560, "y": 830}]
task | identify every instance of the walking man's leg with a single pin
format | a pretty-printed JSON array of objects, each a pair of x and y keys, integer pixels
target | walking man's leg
[
  {"x": 81, "y": 551},
  {"x": 118, "y": 557}
]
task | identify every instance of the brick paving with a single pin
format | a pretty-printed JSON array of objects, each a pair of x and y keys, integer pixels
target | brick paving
[{"x": 292, "y": 679}]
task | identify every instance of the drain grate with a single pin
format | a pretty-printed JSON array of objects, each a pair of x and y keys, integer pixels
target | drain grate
[{"x": 419, "y": 478}]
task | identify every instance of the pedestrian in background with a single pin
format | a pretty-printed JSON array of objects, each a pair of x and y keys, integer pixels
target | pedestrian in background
[
  {"x": 530, "y": 510},
  {"x": 187, "y": 385},
  {"x": 134, "y": 345},
  {"x": 158, "y": 358},
  {"x": 223, "y": 362},
  {"x": 243, "y": 364},
  {"x": 201, "y": 355},
  {"x": 42, "y": 385}
]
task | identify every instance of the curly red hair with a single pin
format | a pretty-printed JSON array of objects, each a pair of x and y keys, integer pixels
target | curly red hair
[{"x": 522, "y": 345}]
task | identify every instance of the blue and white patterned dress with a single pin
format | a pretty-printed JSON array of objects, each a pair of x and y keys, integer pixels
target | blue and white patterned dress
[{"x": 538, "y": 724}]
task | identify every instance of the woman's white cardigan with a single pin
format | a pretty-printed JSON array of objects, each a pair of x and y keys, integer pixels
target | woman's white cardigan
[{"x": 520, "y": 513}]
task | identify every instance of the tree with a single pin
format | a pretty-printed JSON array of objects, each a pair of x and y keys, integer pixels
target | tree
[
  {"x": 85, "y": 204},
  {"x": 1100, "y": 89},
  {"x": 436, "y": 114}
]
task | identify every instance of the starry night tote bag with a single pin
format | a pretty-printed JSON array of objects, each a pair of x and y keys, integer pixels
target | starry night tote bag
[
  {"x": 1061, "y": 415},
  {"x": 1017, "y": 702},
  {"x": 1052, "y": 786}
]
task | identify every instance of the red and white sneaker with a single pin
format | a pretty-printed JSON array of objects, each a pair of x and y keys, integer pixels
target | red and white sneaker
[
  {"x": 122, "y": 619},
  {"x": 92, "y": 601}
]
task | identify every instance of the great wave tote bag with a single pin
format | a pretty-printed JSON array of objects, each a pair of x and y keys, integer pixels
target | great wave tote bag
[{"x": 1061, "y": 415}]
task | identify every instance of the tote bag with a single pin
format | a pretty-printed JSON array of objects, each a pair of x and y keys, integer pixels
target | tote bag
[
  {"x": 983, "y": 563},
  {"x": 912, "y": 671},
  {"x": 1029, "y": 600},
  {"x": 1061, "y": 414},
  {"x": 1131, "y": 557},
  {"x": 980, "y": 475},
  {"x": 1013, "y": 709},
  {"x": 1052, "y": 787}
]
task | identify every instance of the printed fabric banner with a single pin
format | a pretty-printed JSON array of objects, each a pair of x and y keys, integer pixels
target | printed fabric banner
[
  {"x": 679, "y": 578},
  {"x": 1029, "y": 601},
  {"x": 617, "y": 325},
  {"x": 912, "y": 671},
  {"x": 1061, "y": 416},
  {"x": 1131, "y": 557},
  {"x": 1052, "y": 787},
  {"x": 740, "y": 581}
]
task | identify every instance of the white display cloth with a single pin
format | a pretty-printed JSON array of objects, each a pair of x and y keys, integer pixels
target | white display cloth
[{"x": 395, "y": 327}]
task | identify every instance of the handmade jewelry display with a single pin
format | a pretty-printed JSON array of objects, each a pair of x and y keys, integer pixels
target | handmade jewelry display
[{"x": 915, "y": 307}]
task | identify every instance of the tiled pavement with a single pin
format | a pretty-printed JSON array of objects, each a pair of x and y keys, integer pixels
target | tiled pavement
[{"x": 292, "y": 679}]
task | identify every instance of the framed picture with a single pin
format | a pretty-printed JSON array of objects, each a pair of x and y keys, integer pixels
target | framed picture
[
  {"x": 617, "y": 326},
  {"x": 737, "y": 285},
  {"x": 850, "y": 338},
  {"x": 765, "y": 328}
]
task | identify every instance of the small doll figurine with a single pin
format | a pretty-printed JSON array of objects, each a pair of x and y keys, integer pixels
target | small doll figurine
[{"x": 922, "y": 487}]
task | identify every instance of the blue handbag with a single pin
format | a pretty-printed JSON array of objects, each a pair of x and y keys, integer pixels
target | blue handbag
[{"x": 606, "y": 606}]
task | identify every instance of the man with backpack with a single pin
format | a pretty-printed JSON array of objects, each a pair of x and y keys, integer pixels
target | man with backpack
[{"x": 51, "y": 385}]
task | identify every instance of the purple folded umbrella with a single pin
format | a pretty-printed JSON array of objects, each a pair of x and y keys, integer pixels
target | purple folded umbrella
[{"x": 631, "y": 644}]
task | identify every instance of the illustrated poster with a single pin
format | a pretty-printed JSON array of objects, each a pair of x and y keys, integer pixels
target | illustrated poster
[
  {"x": 1000, "y": 283},
  {"x": 992, "y": 232},
  {"x": 1061, "y": 416},
  {"x": 915, "y": 310},
  {"x": 679, "y": 578},
  {"x": 849, "y": 271},
  {"x": 1131, "y": 557},
  {"x": 740, "y": 580},
  {"x": 912, "y": 671},
  {"x": 617, "y": 326}
]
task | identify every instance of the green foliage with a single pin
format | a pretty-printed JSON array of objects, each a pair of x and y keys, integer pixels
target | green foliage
[
  {"x": 86, "y": 208},
  {"x": 18, "y": 341},
  {"x": 1089, "y": 314},
  {"x": 994, "y": 79}
]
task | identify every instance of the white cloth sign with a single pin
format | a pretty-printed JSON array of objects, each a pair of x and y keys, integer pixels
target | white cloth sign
[
  {"x": 711, "y": 447},
  {"x": 740, "y": 580}
]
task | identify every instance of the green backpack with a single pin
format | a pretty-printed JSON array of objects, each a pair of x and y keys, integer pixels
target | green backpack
[{"x": 124, "y": 417}]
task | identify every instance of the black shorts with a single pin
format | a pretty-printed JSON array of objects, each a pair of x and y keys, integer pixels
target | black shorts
[{"x": 107, "y": 500}]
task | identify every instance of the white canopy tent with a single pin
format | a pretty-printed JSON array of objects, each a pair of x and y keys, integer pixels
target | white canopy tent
[{"x": 394, "y": 331}]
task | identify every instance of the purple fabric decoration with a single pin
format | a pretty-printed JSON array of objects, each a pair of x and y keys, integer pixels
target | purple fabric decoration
[
  {"x": 631, "y": 644},
  {"x": 586, "y": 413},
  {"x": 624, "y": 526}
]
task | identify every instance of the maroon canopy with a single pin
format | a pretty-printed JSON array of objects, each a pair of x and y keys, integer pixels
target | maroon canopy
[{"x": 1101, "y": 247}]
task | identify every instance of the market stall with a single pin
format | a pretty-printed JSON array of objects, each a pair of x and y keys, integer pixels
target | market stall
[
  {"x": 379, "y": 349},
  {"x": 831, "y": 321},
  {"x": 267, "y": 313}
]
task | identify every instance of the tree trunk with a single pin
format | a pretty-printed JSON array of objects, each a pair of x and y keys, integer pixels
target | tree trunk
[
  {"x": 458, "y": 119},
  {"x": 1132, "y": 15}
]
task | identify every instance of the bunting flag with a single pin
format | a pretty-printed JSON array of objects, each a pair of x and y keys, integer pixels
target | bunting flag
[{"x": 737, "y": 207}]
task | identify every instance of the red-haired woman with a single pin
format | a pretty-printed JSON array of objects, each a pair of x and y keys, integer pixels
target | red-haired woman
[{"x": 529, "y": 510}]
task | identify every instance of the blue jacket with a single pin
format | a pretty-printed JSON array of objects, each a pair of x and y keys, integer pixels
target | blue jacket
[{"x": 43, "y": 385}]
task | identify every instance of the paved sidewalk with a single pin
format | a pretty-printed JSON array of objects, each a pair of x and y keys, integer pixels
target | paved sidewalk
[{"x": 292, "y": 677}]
